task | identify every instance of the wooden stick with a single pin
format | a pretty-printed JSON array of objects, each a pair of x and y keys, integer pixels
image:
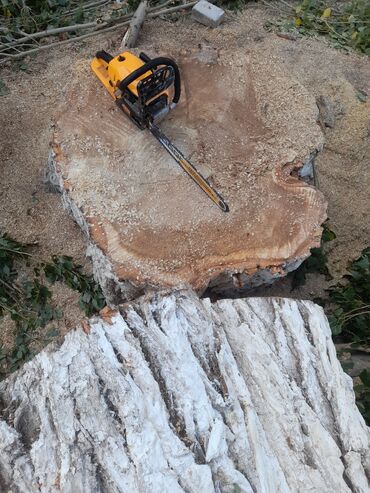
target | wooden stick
[
  {"x": 51, "y": 32},
  {"x": 87, "y": 25},
  {"x": 132, "y": 33},
  {"x": 60, "y": 43},
  {"x": 93, "y": 33}
]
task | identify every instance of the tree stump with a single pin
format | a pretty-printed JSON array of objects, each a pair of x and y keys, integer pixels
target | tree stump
[
  {"x": 177, "y": 394},
  {"x": 249, "y": 129}
]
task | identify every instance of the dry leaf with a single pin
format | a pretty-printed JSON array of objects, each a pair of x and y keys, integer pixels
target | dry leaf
[
  {"x": 326, "y": 13},
  {"x": 106, "y": 314}
]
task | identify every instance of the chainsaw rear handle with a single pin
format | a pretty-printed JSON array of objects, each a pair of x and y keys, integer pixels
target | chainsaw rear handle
[
  {"x": 153, "y": 64},
  {"x": 105, "y": 56}
]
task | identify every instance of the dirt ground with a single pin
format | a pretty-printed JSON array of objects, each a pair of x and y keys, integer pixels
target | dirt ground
[{"x": 32, "y": 214}]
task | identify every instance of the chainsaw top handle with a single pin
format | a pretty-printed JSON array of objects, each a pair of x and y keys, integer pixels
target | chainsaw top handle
[{"x": 153, "y": 64}]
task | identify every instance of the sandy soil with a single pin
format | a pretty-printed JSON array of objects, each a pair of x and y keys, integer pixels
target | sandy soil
[{"x": 31, "y": 214}]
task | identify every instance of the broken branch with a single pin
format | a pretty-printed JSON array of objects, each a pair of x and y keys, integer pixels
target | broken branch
[
  {"x": 8, "y": 56},
  {"x": 132, "y": 33}
]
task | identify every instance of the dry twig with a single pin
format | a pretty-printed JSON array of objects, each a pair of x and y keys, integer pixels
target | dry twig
[
  {"x": 157, "y": 13},
  {"x": 132, "y": 33}
]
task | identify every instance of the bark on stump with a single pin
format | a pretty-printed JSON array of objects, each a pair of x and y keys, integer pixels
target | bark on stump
[
  {"x": 177, "y": 394},
  {"x": 149, "y": 225}
]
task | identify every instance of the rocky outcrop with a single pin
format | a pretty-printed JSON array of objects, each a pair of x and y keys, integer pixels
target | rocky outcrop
[{"x": 178, "y": 394}]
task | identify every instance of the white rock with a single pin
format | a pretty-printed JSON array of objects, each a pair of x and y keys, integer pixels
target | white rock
[{"x": 208, "y": 14}]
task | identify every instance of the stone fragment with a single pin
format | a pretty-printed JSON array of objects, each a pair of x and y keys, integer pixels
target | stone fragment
[{"x": 208, "y": 14}]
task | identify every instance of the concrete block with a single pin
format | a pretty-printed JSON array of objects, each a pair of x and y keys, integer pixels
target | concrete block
[{"x": 207, "y": 14}]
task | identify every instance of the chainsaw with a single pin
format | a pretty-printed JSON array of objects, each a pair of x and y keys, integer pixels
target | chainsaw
[{"x": 146, "y": 90}]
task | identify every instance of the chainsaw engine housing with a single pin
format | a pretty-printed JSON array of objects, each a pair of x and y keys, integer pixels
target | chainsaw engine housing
[{"x": 146, "y": 89}]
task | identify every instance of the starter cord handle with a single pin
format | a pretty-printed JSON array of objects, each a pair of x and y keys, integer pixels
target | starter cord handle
[{"x": 153, "y": 64}]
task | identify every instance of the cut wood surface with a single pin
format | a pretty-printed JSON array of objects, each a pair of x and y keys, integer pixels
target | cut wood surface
[
  {"x": 178, "y": 395},
  {"x": 246, "y": 124}
]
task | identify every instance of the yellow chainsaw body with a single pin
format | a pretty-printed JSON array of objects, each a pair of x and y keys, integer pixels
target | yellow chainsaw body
[
  {"x": 112, "y": 73},
  {"x": 153, "y": 91}
]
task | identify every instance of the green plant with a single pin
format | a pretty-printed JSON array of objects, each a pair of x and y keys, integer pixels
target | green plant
[
  {"x": 25, "y": 22},
  {"x": 28, "y": 303},
  {"x": 63, "y": 269},
  {"x": 350, "y": 317},
  {"x": 232, "y": 4},
  {"x": 346, "y": 24},
  {"x": 362, "y": 391},
  {"x": 34, "y": 15},
  {"x": 133, "y": 4},
  {"x": 316, "y": 262},
  {"x": 347, "y": 308},
  {"x": 10, "y": 251}
]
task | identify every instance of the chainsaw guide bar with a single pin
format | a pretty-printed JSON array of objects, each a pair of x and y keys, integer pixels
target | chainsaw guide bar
[{"x": 142, "y": 88}]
